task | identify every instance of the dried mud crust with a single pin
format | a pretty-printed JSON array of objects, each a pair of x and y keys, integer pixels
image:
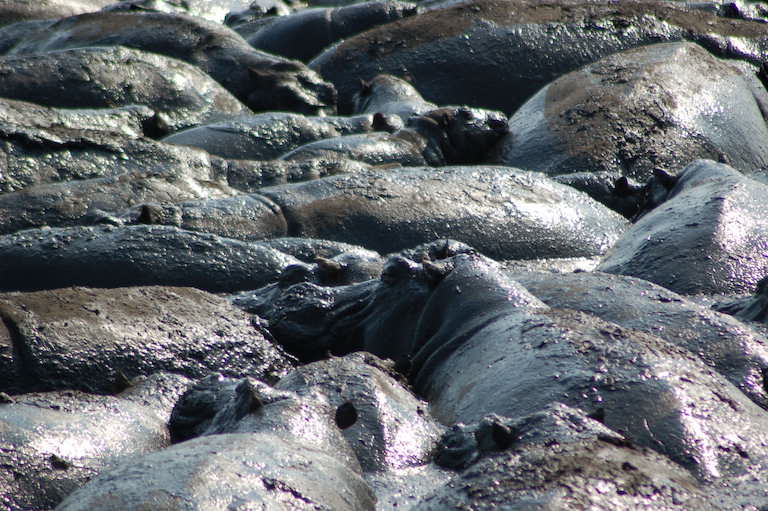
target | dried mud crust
[{"x": 447, "y": 23}]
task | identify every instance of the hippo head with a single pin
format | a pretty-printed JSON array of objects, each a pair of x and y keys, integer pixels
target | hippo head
[
  {"x": 383, "y": 89},
  {"x": 378, "y": 316},
  {"x": 290, "y": 86},
  {"x": 639, "y": 200},
  {"x": 460, "y": 135}
]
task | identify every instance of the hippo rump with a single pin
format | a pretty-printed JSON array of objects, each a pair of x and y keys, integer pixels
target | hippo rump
[
  {"x": 497, "y": 53},
  {"x": 503, "y": 212},
  {"x": 180, "y": 94},
  {"x": 463, "y": 327},
  {"x": 445, "y": 136},
  {"x": 228, "y": 471},
  {"x": 304, "y": 34},
  {"x": 53, "y": 443},
  {"x": 96, "y": 339},
  {"x": 260, "y": 80},
  {"x": 12, "y": 11},
  {"x": 708, "y": 235},
  {"x": 658, "y": 106},
  {"x": 135, "y": 255}
]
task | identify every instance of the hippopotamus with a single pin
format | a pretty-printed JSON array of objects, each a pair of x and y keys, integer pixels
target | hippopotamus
[
  {"x": 53, "y": 443},
  {"x": 557, "y": 459},
  {"x": 614, "y": 190},
  {"x": 497, "y": 54},
  {"x": 710, "y": 235},
  {"x": 445, "y": 136},
  {"x": 736, "y": 351},
  {"x": 387, "y": 94},
  {"x": 269, "y": 135},
  {"x": 304, "y": 34},
  {"x": 135, "y": 255},
  {"x": 658, "y": 106},
  {"x": 233, "y": 470},
  {"x": 504, "y": 213},
  {"x": 462, "y": 327},
  {"x": 261, "y": 81},
  {"x": 96, "y": 339},
  {"x": 179, "y": 94},
  {"x": 12, "y": 11},
  {"x": 170, "y": 174}
]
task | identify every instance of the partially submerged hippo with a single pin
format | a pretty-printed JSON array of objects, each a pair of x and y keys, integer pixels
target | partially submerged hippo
[
  {"x": 445, "y": 136},
  {"x": 657, "y": 106},
  {"x": 260, "y": 80},
  {"x": 709, "y": 235}
]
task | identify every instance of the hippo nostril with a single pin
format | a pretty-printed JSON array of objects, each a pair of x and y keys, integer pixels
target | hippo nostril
[{"x": 346, "y": 415}]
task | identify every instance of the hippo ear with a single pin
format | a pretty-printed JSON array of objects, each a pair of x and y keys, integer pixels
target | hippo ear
[
  {"x": 666, "y": 179},
  {"x": 330, "y": 271},
  {"x": 397, "y": 269},
  {"x": 435, "y": 273},
  {"x": 622, "y": 188},
  {"x": 365, "y": 87}
]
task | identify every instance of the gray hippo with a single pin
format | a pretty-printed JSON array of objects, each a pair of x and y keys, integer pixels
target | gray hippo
[
  {"x": 135, "y": 255},
  {"x": 235, "y": 471},
  {"x": 304, "y": 34},
  {"x": 260, "y": 80},
  {"x": 709, "y": 235},
  {"x": 503, "y": 212},
  {"x": 557, "y": 459},
  {"x": 736, "y": 351},
  {"x": 460, "y": 362},
  {"x": 179, "y": 94},
  {"x": 12, "y": 11},
  {"x": 53, "y": 443},
  {"x": 445, "y": 136},
  {"x": 268, "y": 135},
  {"x": 497, "y": 54},
  {"x": 658, "y": 106},
  {"x": 96, "y": 339}
]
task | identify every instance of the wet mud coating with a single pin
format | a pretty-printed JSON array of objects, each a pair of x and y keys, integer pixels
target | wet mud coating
[{"x": 375, "y": 255}]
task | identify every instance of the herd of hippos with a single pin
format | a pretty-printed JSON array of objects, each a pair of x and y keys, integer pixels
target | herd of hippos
[{"x": 457, "y": 254}]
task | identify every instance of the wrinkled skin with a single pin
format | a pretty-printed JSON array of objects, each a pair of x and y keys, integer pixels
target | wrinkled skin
[
  {"x": 53, "y": 443},
  {"x": 734, "y": 350},
  {"x": 269, "y": 135},
  {"x": 96, "y": 339},
  {"x": 304, "y": 34},
  {"x": 503, "y": 212},
  {"x": 252, "y": 471},
  {"x": 658, "y": 106},
  {"x": 498, "y": 53},
  {"x": 108, "y": 256},
  {"x": 260, "y": 80},
  {"x": 249, "y": 176},
  {"x": 179, "y": 94},
  {"x": 451, "y": 135},
  {"x": 389, "y": 94},
  {"x": 709, "y": 236}
]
